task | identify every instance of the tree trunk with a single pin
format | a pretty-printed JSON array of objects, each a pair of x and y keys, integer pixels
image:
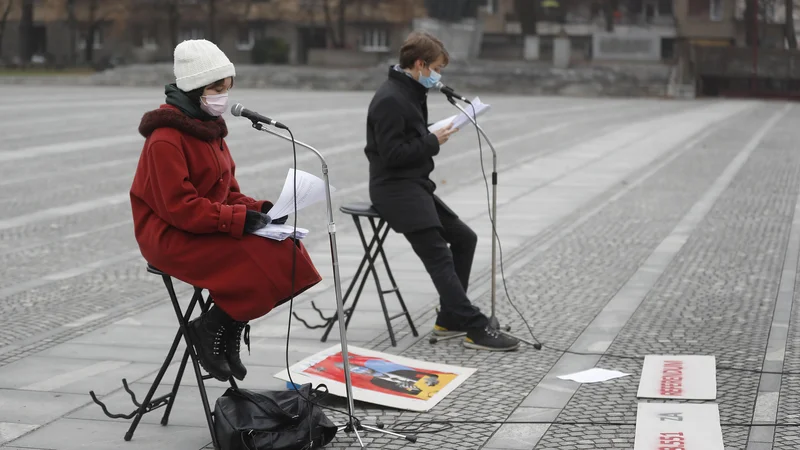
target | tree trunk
[
  {"x": 174, "y": 18},
  {"x": 26, "y": 32},
  {"x": 342, "y": 16},
  {"x": 72, "y": 24},
  {"x": 3, "y": 22},
  {"x": 329, "y": 24},
  {"x": 609, "y": 6},
  {"x": 791, "y": 34},
  {"x": 528, "y": 15},
  {"x": 91, "y": 30},
  {"x": 212, "y": 20}
]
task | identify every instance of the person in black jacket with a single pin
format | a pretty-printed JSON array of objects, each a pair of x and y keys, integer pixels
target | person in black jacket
[{"x": 400, "y": 150}]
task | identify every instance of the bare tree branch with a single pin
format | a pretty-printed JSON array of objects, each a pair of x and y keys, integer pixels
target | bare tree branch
[{"x": 9, "y": 4}]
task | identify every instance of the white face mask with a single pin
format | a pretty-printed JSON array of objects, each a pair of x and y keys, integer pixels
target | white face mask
[{"x": 215, "y": 105}]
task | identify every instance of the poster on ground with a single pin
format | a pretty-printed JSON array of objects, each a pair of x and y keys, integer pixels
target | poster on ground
[{"x": 380, "y": 378}]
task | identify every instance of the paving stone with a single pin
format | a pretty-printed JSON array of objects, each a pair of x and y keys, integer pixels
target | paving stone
[
  {"x": 710, "y": 290},
  {"x": 563, "y": 265}
]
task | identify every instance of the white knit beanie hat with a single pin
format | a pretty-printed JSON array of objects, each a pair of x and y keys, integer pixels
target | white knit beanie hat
[{"x": 198, "y": 63}]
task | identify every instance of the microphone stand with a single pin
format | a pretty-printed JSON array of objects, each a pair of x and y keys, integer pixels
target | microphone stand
[
  {"x": 493, "y": 322},
  {"x": 353, "y": 424}
]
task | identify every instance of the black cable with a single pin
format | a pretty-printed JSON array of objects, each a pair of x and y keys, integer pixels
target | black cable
[
  {"x": 291, "y": 304},
  {"x": 419, "y": 425}
]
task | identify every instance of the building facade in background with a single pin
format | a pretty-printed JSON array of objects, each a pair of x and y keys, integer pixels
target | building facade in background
[{"x": 366, "y": 32}]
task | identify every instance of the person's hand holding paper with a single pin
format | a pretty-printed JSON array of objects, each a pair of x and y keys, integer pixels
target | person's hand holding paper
[
  {"x": 310, "y": 190},
  {"x": 458, "y": 121}
]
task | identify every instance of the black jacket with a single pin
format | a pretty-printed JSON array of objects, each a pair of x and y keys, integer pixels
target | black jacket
[{"x": 400, "y": 150}]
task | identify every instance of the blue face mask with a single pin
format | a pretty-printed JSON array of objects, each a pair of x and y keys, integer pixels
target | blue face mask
[{"x": 430, "y": 80}]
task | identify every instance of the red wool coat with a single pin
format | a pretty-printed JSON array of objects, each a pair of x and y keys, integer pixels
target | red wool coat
[{"x": 189, "y": 214}]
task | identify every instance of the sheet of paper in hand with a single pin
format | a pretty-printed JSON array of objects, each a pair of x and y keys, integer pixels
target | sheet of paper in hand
[
  {"x": 281, "y": 232},
  {"x": 461, "y": 119},
  {"x": 310, "y": 190}
]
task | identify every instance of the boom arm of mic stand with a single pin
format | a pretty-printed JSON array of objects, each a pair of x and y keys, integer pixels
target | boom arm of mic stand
[
  {"x": 335, "y": 260},
  {"x": 493, "y": 318}
]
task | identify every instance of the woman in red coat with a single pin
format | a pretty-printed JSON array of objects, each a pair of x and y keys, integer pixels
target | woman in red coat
[{"x": 192, "y": 222}]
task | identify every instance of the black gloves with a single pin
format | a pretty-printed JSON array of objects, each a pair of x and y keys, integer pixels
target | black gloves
[
  {"x": 265, "y": 209},
  {"x": 255, "y": 221}
]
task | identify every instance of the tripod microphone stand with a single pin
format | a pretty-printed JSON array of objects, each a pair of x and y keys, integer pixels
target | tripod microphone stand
[
  {"x": 353, "y": 424},
  {"x": 493, "y": 322}
]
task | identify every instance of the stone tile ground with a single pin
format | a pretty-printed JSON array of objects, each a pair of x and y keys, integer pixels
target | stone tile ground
[{"x": 658, "y": 216}]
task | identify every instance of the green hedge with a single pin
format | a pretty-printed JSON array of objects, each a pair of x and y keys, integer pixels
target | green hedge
[{"x": 270, "y": 50}]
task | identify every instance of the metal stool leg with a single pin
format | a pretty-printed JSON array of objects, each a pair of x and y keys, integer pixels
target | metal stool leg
[
  {"x": 395, "y": 288},
  {"x": 197, "y": 297},
  {"x": 381, "y": 292},
  {"x": 198, "y": 374}
]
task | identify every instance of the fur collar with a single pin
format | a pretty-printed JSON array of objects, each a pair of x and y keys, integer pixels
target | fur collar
[{"x": 170, "y": 117}]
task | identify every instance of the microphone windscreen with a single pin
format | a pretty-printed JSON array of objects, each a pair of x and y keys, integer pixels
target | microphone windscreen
[{"x": 236, "y": 109}]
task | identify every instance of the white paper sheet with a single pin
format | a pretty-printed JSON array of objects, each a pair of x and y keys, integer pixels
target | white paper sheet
[
  {"x": 594, "y": 375},
  {"x": 310, "y": 190},
  {"x": 461, "y": 119},
  {"x": 281, "y": 232}
]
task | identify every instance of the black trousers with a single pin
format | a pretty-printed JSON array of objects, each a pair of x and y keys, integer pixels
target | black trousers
[{"x": 449, "y": 267}]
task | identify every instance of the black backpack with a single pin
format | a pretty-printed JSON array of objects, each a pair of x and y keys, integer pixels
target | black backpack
[{"x": 271, "y": 420}]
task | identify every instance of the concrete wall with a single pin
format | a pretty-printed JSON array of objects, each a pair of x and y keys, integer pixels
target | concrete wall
[
  {"x": 701, "y": 26},
  {"x": 498, "y": 76},
  {"x": 462, "y": 40},
  {"x": 738, "y": 62},
  {"x": 329, "y": 57},
  {"x": 638, "y": 46}
]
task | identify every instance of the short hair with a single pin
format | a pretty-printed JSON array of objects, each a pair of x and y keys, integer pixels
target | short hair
[{"x": 422, "y": 45}]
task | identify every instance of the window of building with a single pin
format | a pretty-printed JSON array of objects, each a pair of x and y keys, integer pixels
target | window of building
[
  {"x": 97, "y": 41},
  {"x": 190, "y": 33},
  {"x": 665, "y": 7},
  {"x": 699, "y": 8},
  {"x": 245, "y": 38},
  {"x": 491, "y": 6},
  {"x": 715, "y": 10},
  {"x": 145, "y": 39},
  {"x": 374, "y": 40}
]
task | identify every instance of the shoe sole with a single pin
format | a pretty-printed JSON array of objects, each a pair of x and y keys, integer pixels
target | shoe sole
[
  {"x": 440, "y": 333},
  {"x": 199, "y": 359},
  {"x": 491, "y": 349}
]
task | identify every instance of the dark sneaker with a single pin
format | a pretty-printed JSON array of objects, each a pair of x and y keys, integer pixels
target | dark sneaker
[
  {"x": 490, "y": 339},
  {"x": 441, "y": 331}
]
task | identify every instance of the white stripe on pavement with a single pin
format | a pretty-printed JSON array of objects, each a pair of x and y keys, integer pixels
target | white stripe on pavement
[
  {"x": 65, "y": 379},
  {"x": 84, "y": 320},
  {"x": 12, "y": 430}
]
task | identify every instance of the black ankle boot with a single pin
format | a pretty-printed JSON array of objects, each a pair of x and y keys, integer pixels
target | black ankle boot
[
  {"x": 233, "y": 339},
  {"x": 208, "y": 333}
]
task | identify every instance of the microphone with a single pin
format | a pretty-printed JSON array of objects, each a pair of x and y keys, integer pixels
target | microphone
[
  {"x": 240, "y": 111},
  {"x": 448, "y": 91}
]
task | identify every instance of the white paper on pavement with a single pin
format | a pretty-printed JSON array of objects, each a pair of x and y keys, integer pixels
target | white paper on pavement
[
  {"x": 280, "y": 232},
  {"x": 461, "y": 119},
  {"x": 595, "y": 375},
  {"x": 310, "y": 190}
]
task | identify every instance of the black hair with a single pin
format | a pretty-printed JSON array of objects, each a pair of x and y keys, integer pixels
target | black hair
[{"x": 195, "y": 94}]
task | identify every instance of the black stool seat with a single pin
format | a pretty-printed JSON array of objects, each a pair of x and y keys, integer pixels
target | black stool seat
[
  {"x": 167, "y": 400},
  {"x": 372, "y": 251},
  {"x": 152, "y": 269},
  {"x": 362, "y": 209}
]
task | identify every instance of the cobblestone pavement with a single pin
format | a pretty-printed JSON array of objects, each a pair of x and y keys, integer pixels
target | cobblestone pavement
[{"x": 697, "y": 197}]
